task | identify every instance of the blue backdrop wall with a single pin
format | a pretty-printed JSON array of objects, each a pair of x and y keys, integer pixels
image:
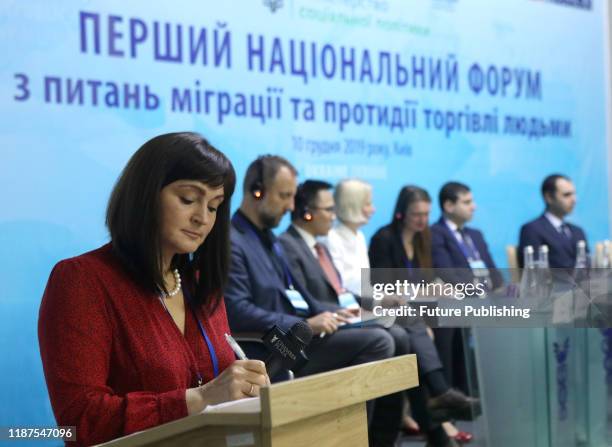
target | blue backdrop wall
[{"x": 494, "y": 94}]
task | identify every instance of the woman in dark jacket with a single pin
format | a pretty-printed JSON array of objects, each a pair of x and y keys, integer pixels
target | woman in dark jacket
[
  {"x": 405, "y": 244},
  {"x": 406, "y": 241}
]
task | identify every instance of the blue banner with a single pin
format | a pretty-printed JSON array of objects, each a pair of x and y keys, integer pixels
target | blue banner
[{"x": 494, "y": 94}]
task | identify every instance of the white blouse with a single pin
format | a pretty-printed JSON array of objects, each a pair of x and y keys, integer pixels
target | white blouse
[{"x": 349, "y": 253}]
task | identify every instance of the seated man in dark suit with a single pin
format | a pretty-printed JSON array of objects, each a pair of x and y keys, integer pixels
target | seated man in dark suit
[
  {"x": 459, "y": 255},
  {"x": 263, "y": 292},
  {"x": 312, "y": 217},
  {"x": 550, "y": 228},
  {"x": 312, "y": 265},
  {"x": 460, "y": 252}
]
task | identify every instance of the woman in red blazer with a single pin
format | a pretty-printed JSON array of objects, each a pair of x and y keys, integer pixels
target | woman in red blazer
[{"x": 132, "y": 334}]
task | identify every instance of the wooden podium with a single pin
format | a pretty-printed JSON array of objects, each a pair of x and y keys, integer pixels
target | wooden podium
[{"x": 326, "y": 409}]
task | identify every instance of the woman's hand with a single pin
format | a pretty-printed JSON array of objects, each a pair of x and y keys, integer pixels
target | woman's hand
[{"x": 241, "y": 379}]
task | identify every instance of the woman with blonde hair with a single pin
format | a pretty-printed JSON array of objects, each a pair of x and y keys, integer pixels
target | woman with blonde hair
[{"x": 346, "y": 242}]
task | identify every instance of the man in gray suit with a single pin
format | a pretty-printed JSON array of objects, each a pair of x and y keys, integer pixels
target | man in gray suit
[
  {"x": 312, "y": 217},
  {"x": 310, "y": 262}
]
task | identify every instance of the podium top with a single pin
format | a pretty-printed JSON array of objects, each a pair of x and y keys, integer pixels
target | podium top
[{"x": 291, "y": 401}]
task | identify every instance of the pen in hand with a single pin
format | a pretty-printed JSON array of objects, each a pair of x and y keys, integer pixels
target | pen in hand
[{"x": 235, "y": 347}]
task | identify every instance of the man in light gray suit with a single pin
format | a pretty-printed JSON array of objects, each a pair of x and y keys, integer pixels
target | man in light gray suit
[
  {"x": 312, "y": 268},
  {"x": 310, "y": 261}
]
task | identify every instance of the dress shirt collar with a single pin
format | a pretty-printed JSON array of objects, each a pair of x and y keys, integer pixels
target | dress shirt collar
[
  {"x": 554, "y": 220},
  {"x": 452, "y": 225},
  {"x": 308, "y": 238}
]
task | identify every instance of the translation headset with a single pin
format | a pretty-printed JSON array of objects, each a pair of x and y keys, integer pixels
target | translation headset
[
  {"x": 257, "y": 189},
  {"x": 305, "y": 214},
  {"x": 257, "y": 186},
  {"x": 302, "y": 211}
]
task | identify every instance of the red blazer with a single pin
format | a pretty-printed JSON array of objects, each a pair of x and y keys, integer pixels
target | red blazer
[{"x": 114, "y": 360}]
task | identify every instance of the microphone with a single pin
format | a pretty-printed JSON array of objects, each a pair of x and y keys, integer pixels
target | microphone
[{"x": 286, "y": 349}]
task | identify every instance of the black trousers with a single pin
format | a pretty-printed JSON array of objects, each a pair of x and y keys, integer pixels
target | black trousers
[
  {"x": 421, "y": 344},
  {"x": 347, "y": 347},
  {"x": 449, "y": 342},
  {"x": 388, "y": 411}
]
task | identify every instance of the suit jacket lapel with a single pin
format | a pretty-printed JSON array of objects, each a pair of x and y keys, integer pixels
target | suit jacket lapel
[
  {"x": 313, "y": 263},
  {"x": 452, "y": 237},
  {"x": 262, "y": 255},
  {"x": 563, "y": 242}
]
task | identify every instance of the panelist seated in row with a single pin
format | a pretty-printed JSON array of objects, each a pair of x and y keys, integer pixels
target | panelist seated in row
[
  {"x": 403, "y": 249},
  {"x": 551, "y": 228},
  {"x": 312, "y": 218},
  {"x": 460, "y": 253},
  {"x": 132, "y": 334},
  {"x": 310, "y": 262},
  {"x": 262, "y": 291}
]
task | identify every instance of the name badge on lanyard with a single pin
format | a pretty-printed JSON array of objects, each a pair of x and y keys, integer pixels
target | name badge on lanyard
[
  {"x": 297, "y": 300},
  {"x": 479, "y": 268},
  {"x": 469, "y": 250}
]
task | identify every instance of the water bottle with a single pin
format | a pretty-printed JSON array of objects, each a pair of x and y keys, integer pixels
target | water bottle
[
  {"x": 528, "y": 261},
  {"x": 543, "y": 257},
  {"x": 528, "y": 278},
  {"x": 605, "y": 260},
  {"x": 581, "y": 276},
  {"x": 544, "y": 276},
  {"x": 581, "y": 255}
]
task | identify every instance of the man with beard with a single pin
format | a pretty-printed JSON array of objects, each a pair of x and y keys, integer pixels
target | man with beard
[
  {"x": 263, "y": 292},
  {"x": 550, "y": 228}
]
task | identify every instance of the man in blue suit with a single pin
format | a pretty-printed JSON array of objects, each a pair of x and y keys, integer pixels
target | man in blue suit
[
  {"x": 263, "y": 292},
  {"x": 460, "y": 255},
  {"x": 460, "y": 252},
  {"x": 550, "y": 228}
]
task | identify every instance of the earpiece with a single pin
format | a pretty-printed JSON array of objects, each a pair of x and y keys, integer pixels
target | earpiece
[{"x": 257, "y": 187}]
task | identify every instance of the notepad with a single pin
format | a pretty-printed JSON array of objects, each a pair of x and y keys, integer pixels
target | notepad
[{"x": 246, "y": 405}]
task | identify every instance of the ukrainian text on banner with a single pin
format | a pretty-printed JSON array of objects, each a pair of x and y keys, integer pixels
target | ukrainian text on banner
[{"x": 390, "y": 92}]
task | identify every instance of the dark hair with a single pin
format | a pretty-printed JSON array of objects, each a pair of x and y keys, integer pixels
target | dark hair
[
  {"x": 263, "y": 170},
  {"x": 421, "y": 240},
  {"x": 450, "y": 192},
  {"x": 549, "y": 185},
  {"x": 305, "y": 196},
  {"x": 133, "y": 213}
]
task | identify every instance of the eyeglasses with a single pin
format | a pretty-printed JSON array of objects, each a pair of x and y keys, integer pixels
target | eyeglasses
[{"x": 329, "y": 209}]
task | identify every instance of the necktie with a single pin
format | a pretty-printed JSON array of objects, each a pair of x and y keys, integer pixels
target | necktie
[
  {"x": 471, "y": 254},
  {"x": 328, "y": 268},
  {"x": 565, "y": 231}
]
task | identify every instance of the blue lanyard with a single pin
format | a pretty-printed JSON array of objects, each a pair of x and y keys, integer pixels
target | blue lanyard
[
  {"x": 466, "y": 245},
  {"x": 278, "y": 250},
  {"x": 211, "y": 348}
]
